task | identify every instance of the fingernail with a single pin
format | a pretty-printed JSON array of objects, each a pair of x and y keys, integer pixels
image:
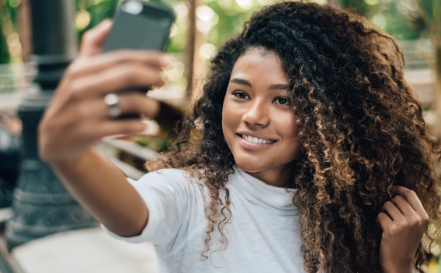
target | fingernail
[
  {"x": 146, "y": 127},
  {"x": 166, "y": 61},
  {"x": 106, "y": 22}
]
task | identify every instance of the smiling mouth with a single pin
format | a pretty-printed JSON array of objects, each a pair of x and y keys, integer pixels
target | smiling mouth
[
  {"x": 253, "y": 143},
  {"x": 255, "y": 140}
]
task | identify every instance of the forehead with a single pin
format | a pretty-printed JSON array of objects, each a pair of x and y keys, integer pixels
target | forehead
[{"x": 258, "y": 64}]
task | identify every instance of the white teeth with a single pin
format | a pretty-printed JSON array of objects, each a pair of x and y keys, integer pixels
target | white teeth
[{"x": 255, "y": 139}]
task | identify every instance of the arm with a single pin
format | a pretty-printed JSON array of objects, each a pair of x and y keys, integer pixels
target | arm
[
  {"x": 103, "y": 190},
  {"x": 77, "y": 118},
  {"x": 403, "y": 222}
]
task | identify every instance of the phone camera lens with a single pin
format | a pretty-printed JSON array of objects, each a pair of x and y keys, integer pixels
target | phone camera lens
[{"x": 132, "y": 7}]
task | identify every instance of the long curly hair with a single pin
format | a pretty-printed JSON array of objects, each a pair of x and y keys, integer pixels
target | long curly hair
[{"x": 361, "y": 130}]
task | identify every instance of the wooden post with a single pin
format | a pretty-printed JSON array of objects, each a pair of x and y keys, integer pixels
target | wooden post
[
  {"x": 190, "y": 47},
  {"x": 24, "y": 30},
  {"x": 194, "y": 65}
]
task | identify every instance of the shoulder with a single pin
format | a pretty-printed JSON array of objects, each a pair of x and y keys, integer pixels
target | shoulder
[
  {"x": 170, "y": 180},
  {"x": 166, "y": 175}
]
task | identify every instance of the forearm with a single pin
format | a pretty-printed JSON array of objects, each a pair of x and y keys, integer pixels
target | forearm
[{"x": 104, "y": 191}]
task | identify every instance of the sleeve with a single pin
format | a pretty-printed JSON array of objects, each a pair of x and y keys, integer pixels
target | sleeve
[{"x": 165, "y": 195}]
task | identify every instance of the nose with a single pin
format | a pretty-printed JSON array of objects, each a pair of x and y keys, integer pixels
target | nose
[{"x": 257, "y": 114}]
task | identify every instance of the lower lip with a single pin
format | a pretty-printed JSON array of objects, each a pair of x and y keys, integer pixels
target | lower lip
[{"x": 253, "y": 146}]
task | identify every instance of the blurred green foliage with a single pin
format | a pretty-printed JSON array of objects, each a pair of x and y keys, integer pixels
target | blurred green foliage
[
  {"x": 231, "y": 18},
  {"x": 399, "y": 18},
  {"x": 4, "y": 53},
  {"x": 431, "y": 9},
  {"x": 158, "y": 144},
  {"x": 7, "y": 16},
  {"x": 98, "y": 11},
  {"x": 361, "y": 7}
]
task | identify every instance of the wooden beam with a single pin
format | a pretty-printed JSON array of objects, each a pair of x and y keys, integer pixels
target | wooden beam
[
  {"x": 24, "y": 30},
  {"x": 189, "y": 51}
]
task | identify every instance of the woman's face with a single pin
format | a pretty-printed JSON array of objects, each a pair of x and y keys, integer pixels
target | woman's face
[{"x": 257, "y": 118}]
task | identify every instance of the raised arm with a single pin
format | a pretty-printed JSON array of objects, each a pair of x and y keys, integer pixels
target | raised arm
[{"x": 78, "y": 116}]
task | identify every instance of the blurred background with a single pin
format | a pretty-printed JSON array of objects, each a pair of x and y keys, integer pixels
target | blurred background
[{"x": 42, "y": 229}]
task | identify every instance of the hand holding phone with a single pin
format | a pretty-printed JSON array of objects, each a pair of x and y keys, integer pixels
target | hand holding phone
[
  {"x": 78, "y": 116},
  {"x": 139, "y": 25}
]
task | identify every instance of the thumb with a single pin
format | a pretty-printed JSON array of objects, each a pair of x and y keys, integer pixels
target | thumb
[{"x": 93, "y": 39}]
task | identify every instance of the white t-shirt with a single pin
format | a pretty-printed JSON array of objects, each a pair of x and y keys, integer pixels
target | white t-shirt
[{"x": 263, "y": 233}]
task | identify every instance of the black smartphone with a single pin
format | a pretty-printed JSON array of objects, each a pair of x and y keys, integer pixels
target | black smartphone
[{"x": 139, "y": 25}]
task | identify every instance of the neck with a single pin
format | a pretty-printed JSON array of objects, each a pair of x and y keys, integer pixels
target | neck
[{"x": 276, "y": 178}]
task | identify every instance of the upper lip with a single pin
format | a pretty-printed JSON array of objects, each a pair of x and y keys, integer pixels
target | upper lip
[{"x": 255, "y": 135}]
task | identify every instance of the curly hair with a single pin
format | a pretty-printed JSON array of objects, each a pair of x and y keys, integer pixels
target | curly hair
[{"x": 361, "y": 130}]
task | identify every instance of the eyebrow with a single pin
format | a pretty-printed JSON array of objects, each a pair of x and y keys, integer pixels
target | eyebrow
[{"x": 272, "y": 87}]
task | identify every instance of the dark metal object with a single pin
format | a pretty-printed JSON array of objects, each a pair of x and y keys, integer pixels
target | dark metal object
[
  {"x": 9, "y": 163},
  {"x": 4, "y": 267},
  {"x": 41, "y": 204}
]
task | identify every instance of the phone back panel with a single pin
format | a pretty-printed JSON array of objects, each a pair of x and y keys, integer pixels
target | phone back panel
[{"x": 149, "y": 29}]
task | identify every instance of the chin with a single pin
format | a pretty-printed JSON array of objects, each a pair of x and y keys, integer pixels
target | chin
[{"x": 248, "y": 166}]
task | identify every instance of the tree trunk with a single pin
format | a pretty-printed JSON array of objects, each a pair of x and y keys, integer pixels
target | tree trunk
[
  {"x": 437, "y": 101},
  {"x": 194, "y": 64},
  {"x": 24, "y": 30},
  {"x": 190, "y": 47}
]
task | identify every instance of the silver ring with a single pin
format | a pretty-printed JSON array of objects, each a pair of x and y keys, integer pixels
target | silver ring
[{"x": 112, "y": 102}]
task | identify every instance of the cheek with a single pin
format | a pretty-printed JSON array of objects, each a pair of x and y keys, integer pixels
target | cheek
[
  {"x": 286, "y": 125},
  {"x": 229, "y": 117},
  {"x": 289, "y": 134},
  {"x": 226, "y": 122}
]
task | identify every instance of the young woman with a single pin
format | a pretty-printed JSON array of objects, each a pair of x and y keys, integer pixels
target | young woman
[{"x": 307, "y": 151}]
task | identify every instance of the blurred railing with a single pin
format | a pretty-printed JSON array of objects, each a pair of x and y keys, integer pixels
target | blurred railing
[
  {"x": 16, "y": 77},
  {"x": 110, "y": 148},
  {"x": 417, "y": 53},
  {"x": 15, "y": 81}
]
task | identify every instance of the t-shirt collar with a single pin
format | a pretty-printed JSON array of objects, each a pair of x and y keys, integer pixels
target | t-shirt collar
[{"x": 256, "y": 190}]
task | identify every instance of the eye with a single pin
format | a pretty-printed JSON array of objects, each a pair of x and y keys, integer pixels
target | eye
[
  {"x": 282, "y": 101},
  {"x": 240, "y": 95}
]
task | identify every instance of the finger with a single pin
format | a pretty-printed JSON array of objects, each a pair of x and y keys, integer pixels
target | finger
[
  {"x": 384, "y": 220},
  {"x": 411, "y": 197},
  {"x": 86, "y": 66},
  {"x": 403, "y": 205},
  {"x": 114, "y": 79},
  {"x": 393, "y": 212},
  {"x": 93, "y": 39},
  {"x": 130, "y": 103}
]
